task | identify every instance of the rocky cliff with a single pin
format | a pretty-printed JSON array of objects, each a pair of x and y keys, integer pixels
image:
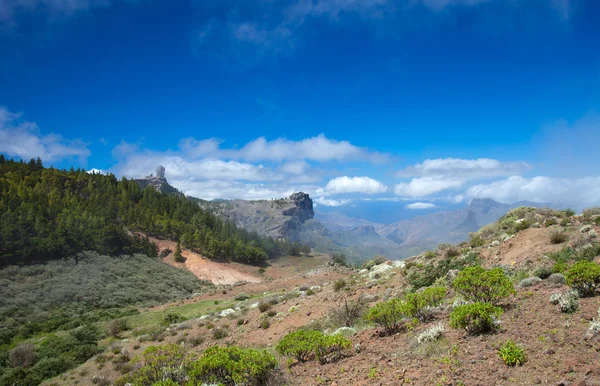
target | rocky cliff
[{"x": 281, "y": 218}]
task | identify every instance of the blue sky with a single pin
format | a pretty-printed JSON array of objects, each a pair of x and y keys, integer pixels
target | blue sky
[{"x": 426, "y": 102}]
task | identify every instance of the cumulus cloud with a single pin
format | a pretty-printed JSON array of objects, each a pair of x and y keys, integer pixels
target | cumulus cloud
[
  {"x": 420, "y": 205},
  {"x": 347, "y": 184},
  {"x": 180, "y": 168},
  {"x": 331, "y": 202},
  {"x": 22, "y": 139},
  {"x": 436, "y": 175},
  {"x": 425, "y": 186},
  {"x": 577, "y": 192},
  {"x": 463, "y": 168},
  {"x": 318, "y": 148}
]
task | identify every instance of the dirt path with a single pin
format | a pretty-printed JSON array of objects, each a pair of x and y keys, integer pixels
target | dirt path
[{"x": 205, "y": 269}]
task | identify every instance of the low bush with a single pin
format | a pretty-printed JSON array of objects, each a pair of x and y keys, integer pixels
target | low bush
[
  {"x": 431, "y": 334},
  {"x": 543, "y": 271},
  {"x": 557, "y": 278},
  {"x": 429, "y": 273},
  {"x": 476, "y": 241},
  {"x": 339, "y": 285},
  {"x": 388, "y": 315},
  {"x": 481, "y": 285},
  {"x": 219, "y": 333},
  {"x": 171, "y": 318},
  {"x": 529, "y": 282},
  {"x": 348, "y": 313},
  {"x": 233, "y": 365},
  {"x": 512, "y": 354},
  {"x": 584, "y": 276},
  {"x": 476, "y": 318},
  {"x": 567, "y": 302},
  {"x": 303, "y": 345},
  {"x": 264, "y": 306},
  {"x": 241, "y": 297},
  {"x": 558, "y": 237},
  {"x": 419, "y": 305},
  {"x": 560, "y": 267},
  {"x": 160, "y": 363},
  {"x": 24, "y": 355},
  {"x": 115, "y": 327},
  {"x": 562, "y": 256},
  {"x": 452, "y": 252}
]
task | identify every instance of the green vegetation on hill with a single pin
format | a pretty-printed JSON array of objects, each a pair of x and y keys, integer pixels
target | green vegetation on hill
[{"x": 47, "y": 213}]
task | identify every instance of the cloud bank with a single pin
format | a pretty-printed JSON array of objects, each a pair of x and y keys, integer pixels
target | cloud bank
[{"x": 23, "y": 139}]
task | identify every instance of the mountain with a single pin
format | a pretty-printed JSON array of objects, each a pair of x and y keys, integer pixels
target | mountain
[
  {"x": 425, "y": 232},
  {"x": 280, "y": 219},
  {"x": 294, "y": 219}
]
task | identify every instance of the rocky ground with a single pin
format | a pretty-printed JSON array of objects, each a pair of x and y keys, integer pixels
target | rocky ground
[{"x": 558, "y": 350}]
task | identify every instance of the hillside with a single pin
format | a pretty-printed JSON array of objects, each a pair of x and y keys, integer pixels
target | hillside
[
  {"x": 48, "y": 214},
  {"x": 560, "y": 342}
]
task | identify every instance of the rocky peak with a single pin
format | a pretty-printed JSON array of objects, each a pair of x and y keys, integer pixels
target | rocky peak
[{"x": 303, "y": 207}]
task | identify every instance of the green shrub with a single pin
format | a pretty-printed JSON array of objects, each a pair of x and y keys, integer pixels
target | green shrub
[
  {"x": 481, "y": 285},
  {"x": 560, "y": 267},
  {"x": 339, "y": 258},
  {"x": 512, "y": 354},
  {"x": 558, "y": 237},
  {"x": 219, "y": 333},
  {"x": 241, "y": 297},
  {"x": 563, "y": 255},
  {"x": 427, "y": 275},
  {"x": 171, "y": 318},
  {"x": 475, "y": 318},
  {"x": 388, "y": 315},
  {"x": 419, "y": 305},
  {"x": 116, "y": 327},
  {"x": 452, "y": 252},
  {"x": 588, "y": 252},
  {"x": 264, "y": 306},
  {"x": 522, "y": 225},
  {"x": 429, "y": 255},
  {"x": 476, "y": 241},
  {"x": 233, "y": 365},
  {"x": 339, "y": 285},
  {"x": 306, "y": 344},
  {"x": 160, "y": 363},
  {"x": 584, "y": 276},
  {"x": 543, "y": 271},
  {"x": 569, "y": 212}
]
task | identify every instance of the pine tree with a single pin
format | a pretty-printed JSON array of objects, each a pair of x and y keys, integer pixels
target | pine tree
[{"x": 178, "y": 257}]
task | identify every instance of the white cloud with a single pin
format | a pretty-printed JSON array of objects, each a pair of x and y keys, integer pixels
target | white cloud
[
  {"x": 331, "y": 202},
  {"x": 420, "y": 205},
  {"x": 347, "y": 184},
  {"x": 579, "y": 192},
  {"x": 318, "y": 148},
  {"x": 179, "y": 168},
  {"x": 20, "y": 138},
  {"x": 436, "y": 175},
  {"x": 96, "y": 171},
  {"x": 463, "y": 168},
  {"x": 295, "y": 167},
  {"x": 424, "y": 186}
]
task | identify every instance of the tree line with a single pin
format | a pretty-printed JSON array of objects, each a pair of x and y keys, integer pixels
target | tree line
[{"x": 48, "y": 213}]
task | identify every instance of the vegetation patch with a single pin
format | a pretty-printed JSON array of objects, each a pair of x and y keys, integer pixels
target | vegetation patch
[
  {"x": 476, "y": 318},
  {"x": 481, "y": 285},
  {"x": 304, "y": 345},
  {"x": 512, "y": 354}
]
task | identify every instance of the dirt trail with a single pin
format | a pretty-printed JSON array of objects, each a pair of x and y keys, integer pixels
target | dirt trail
[{"x": 205, "y": 269}]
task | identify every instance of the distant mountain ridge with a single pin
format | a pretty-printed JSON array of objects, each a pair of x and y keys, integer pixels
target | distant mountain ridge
[{"x": 295, "y": 219}]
